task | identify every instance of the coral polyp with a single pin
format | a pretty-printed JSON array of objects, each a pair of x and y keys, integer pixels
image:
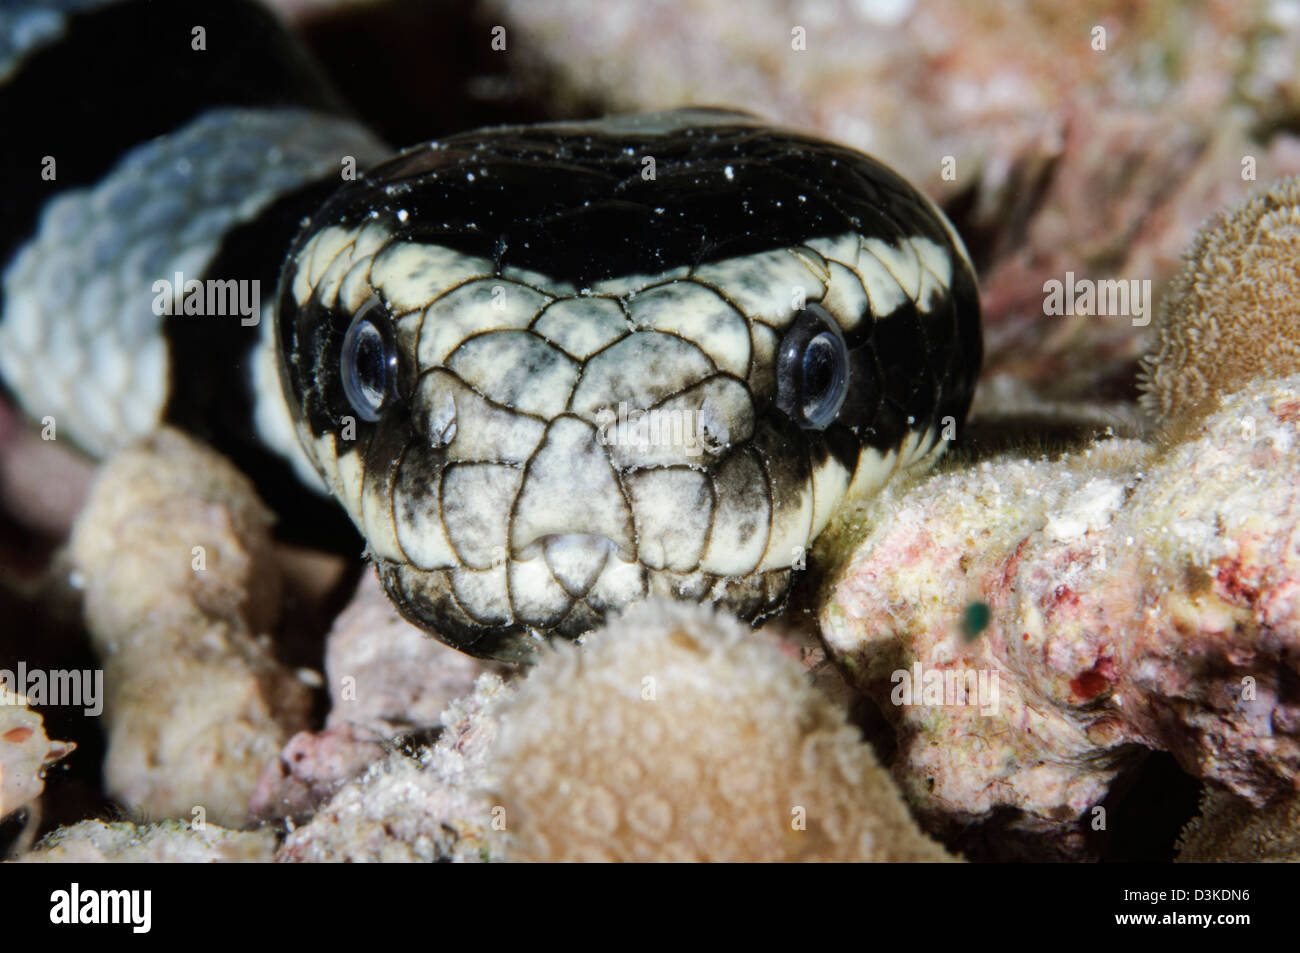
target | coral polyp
[
  {"x": 1232, "y": 314},
  {"x": 677, "y": 734}
]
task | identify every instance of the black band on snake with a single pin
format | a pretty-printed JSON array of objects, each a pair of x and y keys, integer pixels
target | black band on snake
[{"x": 546, "y": 370}]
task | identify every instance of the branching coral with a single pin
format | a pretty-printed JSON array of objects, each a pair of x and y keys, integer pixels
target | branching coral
[
  {"x": 675, "y": 734},
  {"x": 174, "y": 552},
  {"x": 1232, "y": 314}
]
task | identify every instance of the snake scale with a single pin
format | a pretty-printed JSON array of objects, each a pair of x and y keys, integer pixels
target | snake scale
[{"x": 546, "y": 370}]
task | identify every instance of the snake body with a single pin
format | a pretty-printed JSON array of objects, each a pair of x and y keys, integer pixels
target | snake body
[{"x": 547, "y": 370}]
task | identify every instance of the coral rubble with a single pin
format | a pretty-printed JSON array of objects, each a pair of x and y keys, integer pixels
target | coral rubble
[
  {"x": 415, "y": 808},
  {"x": 1137, "y": 597},
  {"x": 671, "y": 734},
  {"x": 168, "y": 842},
  {"x": 385, "y": 678}
]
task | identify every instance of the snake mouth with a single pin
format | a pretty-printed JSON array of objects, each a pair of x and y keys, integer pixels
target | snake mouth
[{"x": 574, "y": 559}]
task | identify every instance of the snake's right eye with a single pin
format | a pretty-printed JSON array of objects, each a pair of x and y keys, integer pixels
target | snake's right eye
[{"x": 368, "y": 363}]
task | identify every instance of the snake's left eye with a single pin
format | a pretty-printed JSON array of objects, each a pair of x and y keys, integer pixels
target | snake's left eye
[
  {"x": 368, "y": 363},
  {"x": 812, "y": 369}
]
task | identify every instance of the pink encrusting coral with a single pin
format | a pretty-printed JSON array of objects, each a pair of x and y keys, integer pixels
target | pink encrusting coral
[
  {"x": 1020, "y": 537},
  {"x": 1138, "y": 594},
  {"x": 385, "y": 678},
  {"x": 1136, "y": 597},
  {"x": 1212, "y": 672}
]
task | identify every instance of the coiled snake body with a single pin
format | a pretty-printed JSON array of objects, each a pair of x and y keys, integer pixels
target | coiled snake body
[{"x": 547, "y": 370}]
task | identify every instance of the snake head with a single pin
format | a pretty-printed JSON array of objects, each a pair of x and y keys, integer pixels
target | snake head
[{"x": 552, "y": 370}]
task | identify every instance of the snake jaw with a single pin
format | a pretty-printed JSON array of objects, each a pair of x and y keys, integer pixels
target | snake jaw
[{"x": 601, "y": 400}]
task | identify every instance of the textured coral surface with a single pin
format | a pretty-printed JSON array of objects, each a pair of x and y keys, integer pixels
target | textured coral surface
[
  {"x": 1136, "y": 597},
  {"x": 1138, "y": 594},
  {"x": 25, "y": 752},
  {"x": 174, "y": 556},
  {"x": 673, "y": 734},
  {"x": 1230, "y": 830},
  {"x": 1232, "y": 314},
  {"x": 421, "y": 808},
  {"x": 169, "y": 842}
]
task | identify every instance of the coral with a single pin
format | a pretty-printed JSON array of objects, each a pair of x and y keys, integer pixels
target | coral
[
  {"x": 312, "y": 766},
  {"x": 677, "y": 734},
  {"x": 1230, "y": 830},
  {"x": 1138, "y": 597},
  {"x": 463, "y": 799},
  {"x": 1211, "y": 670},
  {"x": 1232, "y": 314},
  {"x": 1054, "y": 154},
  {"x": 169, "y": 842},
  {"x": 910, "y": 79},
  {"x": 385, "y": 677},
  {"x": 1011, "y": 534},
  {"x": 414, "y": 808},
  {"x": 179, "y": 580},
  {"x": 25, "y": 752}
]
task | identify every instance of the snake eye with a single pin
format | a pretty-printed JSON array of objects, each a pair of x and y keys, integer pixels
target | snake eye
[
  {"x": 368, "y": 364},
  {"x": 812, "y": 369}
]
